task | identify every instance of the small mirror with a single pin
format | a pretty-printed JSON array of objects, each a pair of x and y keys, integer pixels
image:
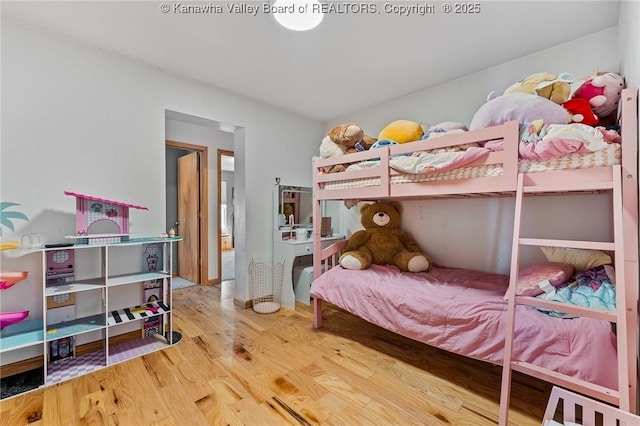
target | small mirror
[{"x": 295, "y": 206}]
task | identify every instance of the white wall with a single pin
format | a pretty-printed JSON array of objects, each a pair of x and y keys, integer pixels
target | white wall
[
  {"x": 459, "y": 99},
  {"x": 477, "y": 233},
  {"x": 629, "y": 39},
  {"x": 75, "y": 117}
]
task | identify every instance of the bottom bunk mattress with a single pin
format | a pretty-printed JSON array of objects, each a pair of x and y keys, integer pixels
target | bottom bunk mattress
[{"x": 464, "y": 312}]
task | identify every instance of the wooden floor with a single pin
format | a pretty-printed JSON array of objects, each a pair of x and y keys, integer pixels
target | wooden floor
[{"x": 236, "y": 367}]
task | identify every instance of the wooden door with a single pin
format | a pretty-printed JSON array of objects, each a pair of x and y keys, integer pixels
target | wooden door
[{"x": 188, "y": 220}]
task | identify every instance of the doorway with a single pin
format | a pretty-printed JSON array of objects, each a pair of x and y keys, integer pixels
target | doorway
[
  {"x": 226, "y": 195},
  {"x": 187, "y": 208}
]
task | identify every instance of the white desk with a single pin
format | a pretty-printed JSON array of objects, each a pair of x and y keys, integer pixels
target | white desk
[{"x": 289, "y": 250}]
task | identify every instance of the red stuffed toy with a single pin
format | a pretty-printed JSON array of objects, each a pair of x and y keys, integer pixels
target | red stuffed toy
[{"x": 581, "y": 112}]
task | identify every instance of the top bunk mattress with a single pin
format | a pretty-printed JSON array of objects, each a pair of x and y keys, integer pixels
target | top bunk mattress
[
  {"x": 464, "y": 312},
  {"x": 611, "y": 155}
]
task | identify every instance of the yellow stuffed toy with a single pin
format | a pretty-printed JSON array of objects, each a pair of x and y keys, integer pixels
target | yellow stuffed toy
[
  {"x": 382, "y": 242},
  {"x": 402, "y": 131},
  {"x": 556, "y": 88}
]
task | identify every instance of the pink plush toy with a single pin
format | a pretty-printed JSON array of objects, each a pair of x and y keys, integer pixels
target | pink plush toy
[{"x": 603, "y": 92}]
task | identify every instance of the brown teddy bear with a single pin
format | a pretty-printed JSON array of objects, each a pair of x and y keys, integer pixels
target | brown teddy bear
[
  {"x": 344, "y": 139},
  {"x": 382, "y": 242}
]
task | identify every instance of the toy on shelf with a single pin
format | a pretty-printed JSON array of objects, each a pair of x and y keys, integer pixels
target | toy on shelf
[
  {"x": 30, "y": 241},
  {"x": 145, "y": 309},
  {"x": 92, "y": 211},
  {"x": 9, "y": 318},
  {"x": 60, "y": 266},
  {"x": 9, "y": 278}
]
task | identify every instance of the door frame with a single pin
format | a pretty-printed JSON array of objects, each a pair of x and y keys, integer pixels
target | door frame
[
  {"x": 203, "y": 153},
  {"x": 221, "y": 153}
]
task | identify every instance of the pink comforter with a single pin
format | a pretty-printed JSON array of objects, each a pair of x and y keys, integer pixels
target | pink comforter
[{"x": 463, "y": 311}]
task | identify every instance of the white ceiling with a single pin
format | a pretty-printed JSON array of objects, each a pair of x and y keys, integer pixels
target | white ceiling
[{"x": 350, "y": 62}]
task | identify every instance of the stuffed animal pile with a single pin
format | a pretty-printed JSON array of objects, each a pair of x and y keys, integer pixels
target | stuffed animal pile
[
  {"x": 382, "y": 242},
  {"x": 592, "y": 101},
  {"x": 347, "y": 138},
  {"x": 553, "y": 98},
  {"x": 344, "y": 139}
]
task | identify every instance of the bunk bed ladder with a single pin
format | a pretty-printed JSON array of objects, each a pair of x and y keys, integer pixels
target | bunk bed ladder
[{"x": 612, "y": 396}]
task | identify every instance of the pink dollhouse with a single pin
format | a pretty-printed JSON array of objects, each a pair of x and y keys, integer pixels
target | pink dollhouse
[{"x": 91, "y": 211}]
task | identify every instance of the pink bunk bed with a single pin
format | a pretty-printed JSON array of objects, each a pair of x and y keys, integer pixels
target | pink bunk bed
[{"x": 477, "y": 314}]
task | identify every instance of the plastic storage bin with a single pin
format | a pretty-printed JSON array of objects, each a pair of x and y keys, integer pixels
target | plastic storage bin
[
  {"x": 302, "y": 278},
  {"x": 266, "y": 286}
]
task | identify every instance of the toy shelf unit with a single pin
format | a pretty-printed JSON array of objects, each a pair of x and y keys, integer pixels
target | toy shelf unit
[
  {"x": 116, "y": 316},
  {"x": 102, "y": 304}
]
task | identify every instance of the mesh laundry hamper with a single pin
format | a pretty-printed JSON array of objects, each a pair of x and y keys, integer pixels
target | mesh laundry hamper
[{"x": 266, "y": 286}]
